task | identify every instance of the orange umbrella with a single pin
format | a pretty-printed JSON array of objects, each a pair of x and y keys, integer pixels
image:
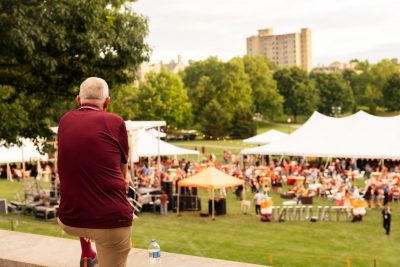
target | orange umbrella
[{"x": 210, "y": 178}]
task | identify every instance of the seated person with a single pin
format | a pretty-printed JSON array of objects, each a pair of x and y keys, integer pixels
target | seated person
[
  {"x": 300, "y": 192},
  {"x": 276, "y": 181}
]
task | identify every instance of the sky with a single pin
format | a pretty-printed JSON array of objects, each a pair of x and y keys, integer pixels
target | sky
[{"x": 341, "y": 29}]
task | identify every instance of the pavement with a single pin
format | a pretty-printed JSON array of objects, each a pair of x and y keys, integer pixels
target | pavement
[{"x": 29, "y": 250}]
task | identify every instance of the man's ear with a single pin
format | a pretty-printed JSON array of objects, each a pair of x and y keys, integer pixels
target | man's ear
[
  {"x": 106, "y": 103},
  {"x": 78, "y": 100}
]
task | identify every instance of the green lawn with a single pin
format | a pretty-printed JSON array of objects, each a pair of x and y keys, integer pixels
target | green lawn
[
  {"x": 213, "y": 146},
  {"x": 234, "y": 146},
  {"x": 244, "y": 238},
  {"x": 283, "y": 127}
]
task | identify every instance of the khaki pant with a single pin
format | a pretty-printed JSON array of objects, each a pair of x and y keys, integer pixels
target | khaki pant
[{"x": 112, "y": 245}]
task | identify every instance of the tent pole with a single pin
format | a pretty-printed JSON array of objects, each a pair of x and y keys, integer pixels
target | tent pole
[
  {"x": 23, "y": 162},
  {"x": 158, "y": 150},
  {"x": 56, "y": 156},
  {"x": 196, "y": 198},
  {"x": 327, "y": 162},
  {"x": 131, "y": 164},
  {"x": 9, "y": 173},
  {"x": 212, "y": 208},
  {"x": 177, "y": 205},
  {"x": 280, "y": 160}
]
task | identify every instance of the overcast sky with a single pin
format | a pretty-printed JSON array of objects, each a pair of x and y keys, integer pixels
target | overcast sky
[{"x": 341, "y": 29}]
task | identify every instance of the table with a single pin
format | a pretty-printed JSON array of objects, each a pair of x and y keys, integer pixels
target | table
[
  {"x": 45, "y": 213},
  {"x": 376, "y": 174},
  {"x": 295, "y": 180},
  {"x": 307, "y": 200}
]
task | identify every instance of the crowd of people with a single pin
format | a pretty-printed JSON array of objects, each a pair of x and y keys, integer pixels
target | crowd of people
[
  {"x": 334, "y": 180},
  {"x": 378, "y": 183}
]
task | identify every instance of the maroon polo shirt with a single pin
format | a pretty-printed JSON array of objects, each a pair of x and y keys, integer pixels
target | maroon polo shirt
[{"x": 91, "y": 146}]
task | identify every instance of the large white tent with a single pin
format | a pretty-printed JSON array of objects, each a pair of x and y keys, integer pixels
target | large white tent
[
  {"x": 360, "y": 135},
  {"x": 265, "y": 138},
  {"x": 146, "y": 145}
]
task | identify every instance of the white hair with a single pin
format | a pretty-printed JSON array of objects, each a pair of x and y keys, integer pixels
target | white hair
[{"x": 94, "y": 88}]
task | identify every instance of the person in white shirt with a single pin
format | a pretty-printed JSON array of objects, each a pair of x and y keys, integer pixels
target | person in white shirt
[{"x": 258, "y": 197}]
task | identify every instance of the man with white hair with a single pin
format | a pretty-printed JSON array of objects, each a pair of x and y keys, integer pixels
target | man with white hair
[{"x": 92, "y": 164}]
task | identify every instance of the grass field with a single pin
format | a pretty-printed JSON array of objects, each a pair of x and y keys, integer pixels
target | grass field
[
  {"x": 244, "y": 238},
  {"x": 213, "y": 146},
  {"x": 284, "y": 127}
]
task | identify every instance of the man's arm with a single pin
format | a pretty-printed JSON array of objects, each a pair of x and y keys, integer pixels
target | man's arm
[{"x": 127, "y": 176}]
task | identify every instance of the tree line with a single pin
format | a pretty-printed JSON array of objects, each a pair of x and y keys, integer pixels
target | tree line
[
  {"x": 47, "y": 48},
  {"x": 220, "y": 98}
]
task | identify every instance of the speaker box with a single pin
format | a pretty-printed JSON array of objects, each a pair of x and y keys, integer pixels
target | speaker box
[
  {"x": 187, "y": 203},
  {"x": 45, "y": 213},
  {"x": 3, "y": 206},
  {"x": 219, "y": 206},
  {"x": 167, "y": 187}
]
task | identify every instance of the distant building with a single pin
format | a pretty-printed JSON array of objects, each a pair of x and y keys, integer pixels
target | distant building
[
  {"x": 145, "y": 68},
  {"x": 285, "y": 50},
  {"x": 337, "y": 67}
]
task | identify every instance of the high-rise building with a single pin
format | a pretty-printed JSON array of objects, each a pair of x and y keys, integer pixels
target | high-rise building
[{"x": 286, "y": 50}]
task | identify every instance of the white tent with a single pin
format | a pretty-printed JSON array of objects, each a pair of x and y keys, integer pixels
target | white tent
[
  {"x": 148, "y": 145},
  {"x": 265, "y": 138},
  {"x": 358, "y": 136},
  {"x": 155, "y": 133},
  {"x": 134, "y": 125},
  {"x": 145, "y": 145},
  {"x": 26, "y": 152}
]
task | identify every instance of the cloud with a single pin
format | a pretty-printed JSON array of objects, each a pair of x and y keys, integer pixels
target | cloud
[{"x": 201, "y": 28}]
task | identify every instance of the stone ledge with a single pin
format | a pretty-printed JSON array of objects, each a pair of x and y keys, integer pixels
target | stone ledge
[{"x": 29, "y": 250}]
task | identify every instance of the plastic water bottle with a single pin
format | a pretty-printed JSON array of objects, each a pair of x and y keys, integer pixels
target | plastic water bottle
[{"x": 154, "y": 254}]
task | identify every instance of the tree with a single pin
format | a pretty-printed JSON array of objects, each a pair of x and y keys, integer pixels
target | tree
[
  {"x": 265, "y": 95},
  {"x": 218, "y": 86},
  {"x": 235, "y": 92},
  {"x": 163, "y": 97},
  {"x": 359, "y": 79},
  {"x": 380, "y": 73},
  {"x": 124, "y": 101},
  {"x": 47, "y": 48},
  {"x": 391, "y": 93},
  {"x": 300, "y": 95},
  {"x": 369, "y": 80},
  {"x": 243, "y": 125},
  {"x": 333, "y": 91},
  {"x": 215, "y": 120},
  {"x": 203, "y": 82}
]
